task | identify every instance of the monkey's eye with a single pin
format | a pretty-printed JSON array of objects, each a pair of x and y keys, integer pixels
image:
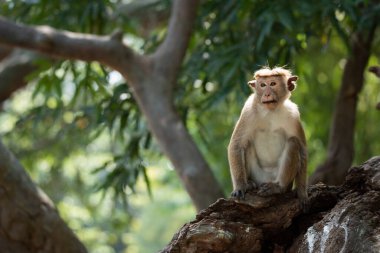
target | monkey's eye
[
  {"x": 262, "y": 85},
  {"x": 272, "y": 83}
]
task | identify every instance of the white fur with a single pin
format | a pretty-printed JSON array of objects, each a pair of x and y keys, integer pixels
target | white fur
[{"x": 272, "y": 130}]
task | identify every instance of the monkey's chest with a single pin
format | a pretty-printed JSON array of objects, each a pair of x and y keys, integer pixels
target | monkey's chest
[{"x": 269, "y": 145}]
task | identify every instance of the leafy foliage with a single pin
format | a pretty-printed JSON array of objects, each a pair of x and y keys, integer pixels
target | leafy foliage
[{"x": 234, "y": 39}]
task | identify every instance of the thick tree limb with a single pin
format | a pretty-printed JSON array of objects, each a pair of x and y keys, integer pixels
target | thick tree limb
[
  {"x": 170, "y": 54},
  {"x": 154, "y": 96},
  {"x": 152, "y": 79},
  {"x": 341, "y": 219},
  {"x": 177, "y": 144},
  {"x": 68, "y": 45},
  {"x": 155, "y": 100},
  {"x": 29, "y": 221}
]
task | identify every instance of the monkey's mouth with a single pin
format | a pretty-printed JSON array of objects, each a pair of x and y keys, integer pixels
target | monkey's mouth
[{"x": 270, "y": 102}]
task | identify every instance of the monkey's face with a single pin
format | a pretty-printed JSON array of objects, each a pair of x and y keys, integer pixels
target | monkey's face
[{"x": 271, "y": 91}]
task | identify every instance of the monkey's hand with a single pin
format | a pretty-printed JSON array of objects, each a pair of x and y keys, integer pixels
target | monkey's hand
[
  {"x": 239, "y": 193},
  {"x": 268, "y": 189}
]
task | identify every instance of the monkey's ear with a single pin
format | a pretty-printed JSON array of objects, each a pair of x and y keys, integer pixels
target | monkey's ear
[
  {"x": 291, "y": 82},
  {"x": 252, "y": 83}
]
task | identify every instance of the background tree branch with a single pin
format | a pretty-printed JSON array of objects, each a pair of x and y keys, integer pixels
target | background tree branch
[
  {"x": 13, "y": 71},
  {"x": 145, "y": 13},
  {"x": 109, "y": 50},
  {"x": 169, "y": 55},
  {"x": 154, "y": 96},
  {"x": 29, "y": 220},
  {"x": 341, "y": 142},
  {"x": 152, "y": 79}
]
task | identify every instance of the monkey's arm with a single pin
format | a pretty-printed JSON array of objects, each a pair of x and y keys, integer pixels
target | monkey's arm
[{"x": 237, "y": 158}]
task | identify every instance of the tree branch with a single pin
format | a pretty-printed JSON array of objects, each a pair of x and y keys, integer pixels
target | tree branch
[
  {"x": 29, "y": 220},
  {"x": 169, "y": 55},
  {"x": 340, "y": 219},
  {"x": 152, "y": 79},
  {"x": 146, "y": 14},
  {"x": 68, "y": 45},
  {"x": 13, "y": 71},
  {"x": 341, "y": 140},
  {"x": 4, "y": 52}
]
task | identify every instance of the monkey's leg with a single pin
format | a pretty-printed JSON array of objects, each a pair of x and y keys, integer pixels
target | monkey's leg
[
  {"x": 301, "y": 180},
  {"x": 289, "y": 165},
  {"x": 292, "y": 167},
  {"x": 251, "y": 162}
]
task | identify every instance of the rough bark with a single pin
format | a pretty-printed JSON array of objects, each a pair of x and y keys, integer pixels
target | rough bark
[
  {"x": 340, "y": 153},
  {"x": 340, "y": 219},
  {"x": 152, "y": 79},
  {"x": 29, "y": 221}
]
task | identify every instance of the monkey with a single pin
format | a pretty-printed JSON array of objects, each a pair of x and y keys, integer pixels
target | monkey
[{"x": 267, "y": 149}]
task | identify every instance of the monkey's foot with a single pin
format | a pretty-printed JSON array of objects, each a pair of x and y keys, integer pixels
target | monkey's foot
[
  {"x": 268, "y": 189},
  {"x": 239, "y": 194},
  {"x": 251, "y": 185}
]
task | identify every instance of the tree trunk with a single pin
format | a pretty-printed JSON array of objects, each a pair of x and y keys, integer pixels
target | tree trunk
[
  {"x": 340, "y": 219},
  {"x": 341, "y": 142},
  {"x": 177, "y": 144},
  {"x": 153, "y": 90},
  {"x": 29, "y": 221},
  {"x": 152, "y": 79}
]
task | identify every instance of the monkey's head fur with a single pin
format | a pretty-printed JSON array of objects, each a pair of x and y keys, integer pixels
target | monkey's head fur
[{"x": 272, "y": 86}]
